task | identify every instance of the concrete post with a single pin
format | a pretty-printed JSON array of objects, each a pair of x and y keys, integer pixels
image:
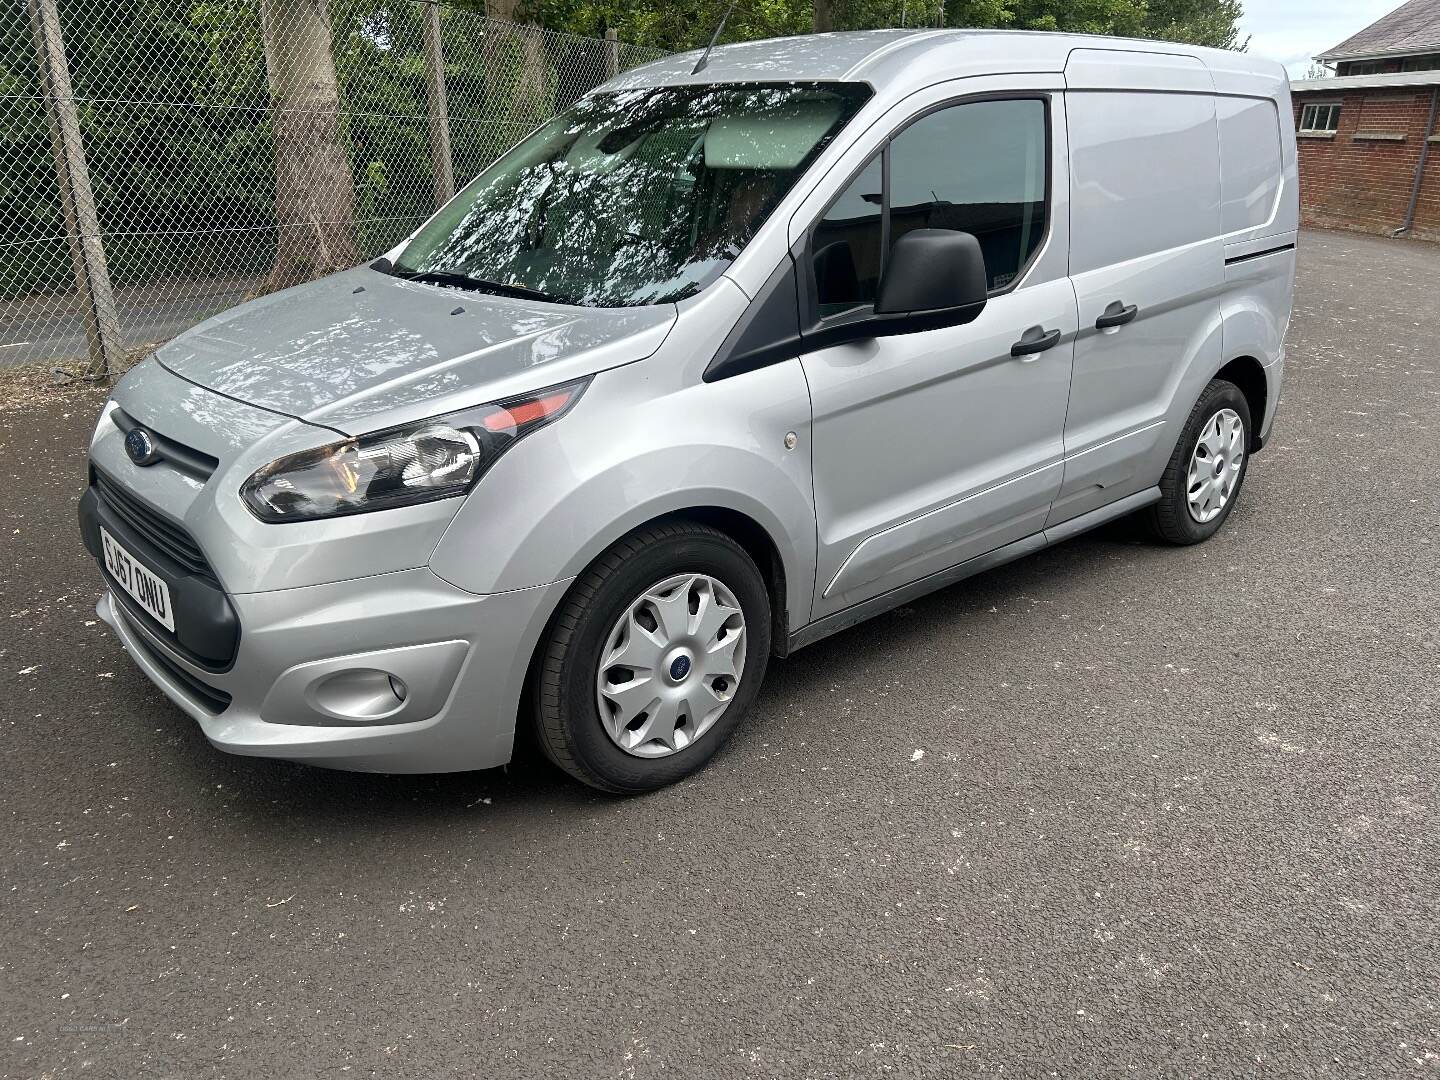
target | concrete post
[
  {"x": 441, "y": 164},
  {"x": 612, "y": 53},
  {"x": 87, "y": 251}
]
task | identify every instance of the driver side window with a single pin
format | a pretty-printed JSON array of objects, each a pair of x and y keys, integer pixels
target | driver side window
[
  {"x": 846, "y": 245},
  {"x": 979, "y": 167}
]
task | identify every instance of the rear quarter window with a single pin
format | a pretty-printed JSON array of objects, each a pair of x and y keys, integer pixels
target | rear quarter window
[{"x": 1144, "y": 174}]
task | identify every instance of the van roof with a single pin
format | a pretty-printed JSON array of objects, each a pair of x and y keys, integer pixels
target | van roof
[{"x": 885, "y": 58}]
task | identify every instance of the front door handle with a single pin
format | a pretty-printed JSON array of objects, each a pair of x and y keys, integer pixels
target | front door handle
[
  {"x": 1035, "y": 340},
  {"x": 1116, "y": 314}
]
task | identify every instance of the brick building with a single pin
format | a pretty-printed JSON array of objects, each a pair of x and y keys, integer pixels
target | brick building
[{"x": 1369, "y": 140}]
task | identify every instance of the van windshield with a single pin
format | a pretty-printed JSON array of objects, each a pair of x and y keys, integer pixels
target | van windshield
[{"x": 633, "y": 197}]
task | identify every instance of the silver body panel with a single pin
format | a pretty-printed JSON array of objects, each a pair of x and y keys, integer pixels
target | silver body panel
[
  {"x": 953, "y": 482},
  {"x": 293, "y": 635},
  {"x": 388, "y": 350},
  {"x": 916, "y": 459},
  {"x": 246, "y": 554}
]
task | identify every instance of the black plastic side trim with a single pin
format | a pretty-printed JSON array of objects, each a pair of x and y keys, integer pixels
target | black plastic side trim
[
  {"x": 1026, "y": 545},
  {"x": 768, "y": 333},
  {"x": 1258, "y": 254},
  {"x": 878, "y": 605},
  {"x": 868, "y": 325}
]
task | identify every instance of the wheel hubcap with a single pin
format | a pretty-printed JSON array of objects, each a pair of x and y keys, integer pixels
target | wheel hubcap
[
  {"x": 1215, "y": 465},
  {"x": 671, "y": 665}
]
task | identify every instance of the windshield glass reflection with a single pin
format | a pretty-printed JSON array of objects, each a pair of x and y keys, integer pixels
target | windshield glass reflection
[{"x": 633, "y": 197}]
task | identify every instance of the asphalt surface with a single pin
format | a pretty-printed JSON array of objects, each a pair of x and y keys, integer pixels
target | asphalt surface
[
  {"x": 48, "y": 330},
  {"x": 1113, "y": 810}
]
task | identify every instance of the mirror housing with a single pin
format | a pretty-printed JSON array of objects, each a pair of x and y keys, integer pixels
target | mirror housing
[
  {"x": 933, "y": 278},
  {"x": 934, "y": 271}
]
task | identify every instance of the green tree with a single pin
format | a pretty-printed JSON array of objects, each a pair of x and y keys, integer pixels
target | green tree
[
  {"x": 1196, "y": 22},
  {"x": 686, "y": 24},
  {"x": 1125, "y": 17},
  {"x": 314, "y": 197},
  {"x": 672, "y": 25}
]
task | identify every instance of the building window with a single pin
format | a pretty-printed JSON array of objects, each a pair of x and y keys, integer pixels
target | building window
[
  {"x": 1320, "y": 118},
  {"x": 1421, "y": 63},
  {"x": 1366, "y": 67}
]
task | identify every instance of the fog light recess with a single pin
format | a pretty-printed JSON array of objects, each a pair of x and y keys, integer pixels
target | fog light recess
[{"x": 360, "y": 694}]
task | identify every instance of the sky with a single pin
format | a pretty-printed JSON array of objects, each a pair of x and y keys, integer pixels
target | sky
[{"x": 1292, "y": 31}]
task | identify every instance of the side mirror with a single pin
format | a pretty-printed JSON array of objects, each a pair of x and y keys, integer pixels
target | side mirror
[{"x": 934, "y": 276}]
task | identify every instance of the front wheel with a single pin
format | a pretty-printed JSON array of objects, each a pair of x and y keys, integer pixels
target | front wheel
[
  {"x": 1203, "y": 478},
  {"x": 653, "y": 658}
]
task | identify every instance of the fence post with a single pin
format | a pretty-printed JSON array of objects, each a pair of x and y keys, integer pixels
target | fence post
[
  {"x": 612, "y": 53},
  {"x": 440, "y": 161},
  {"x": 87, "y": 251}
]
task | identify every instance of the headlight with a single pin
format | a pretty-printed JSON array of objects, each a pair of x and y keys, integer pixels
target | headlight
[{"x": 432, "y": 459}]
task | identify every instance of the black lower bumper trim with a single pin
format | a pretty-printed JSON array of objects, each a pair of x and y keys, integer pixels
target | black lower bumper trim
[{"x": 210, "y": 698}]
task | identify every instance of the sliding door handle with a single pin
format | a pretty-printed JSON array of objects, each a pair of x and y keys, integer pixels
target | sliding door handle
[
  {"x": 1035, "y": 340},
  {"x": 1116, "y": 314}
]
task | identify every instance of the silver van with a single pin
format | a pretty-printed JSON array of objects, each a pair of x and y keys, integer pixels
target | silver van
[{"x": 738, "y": 351}]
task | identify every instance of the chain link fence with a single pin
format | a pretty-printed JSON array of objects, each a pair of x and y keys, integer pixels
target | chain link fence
[{"x": 163, "y": 160}]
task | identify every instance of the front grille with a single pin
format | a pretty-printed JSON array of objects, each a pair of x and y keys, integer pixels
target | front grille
[
  {"x": 212, "y": 699},
  {"x": 187, "y": 459},
  {"x": 168, "y": 536}
]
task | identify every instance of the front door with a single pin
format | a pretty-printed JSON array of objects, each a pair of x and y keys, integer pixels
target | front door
[{"x": 932, "y": 448}]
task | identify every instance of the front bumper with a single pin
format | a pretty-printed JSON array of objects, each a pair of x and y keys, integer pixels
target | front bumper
[{"x": 311, "y": 676}]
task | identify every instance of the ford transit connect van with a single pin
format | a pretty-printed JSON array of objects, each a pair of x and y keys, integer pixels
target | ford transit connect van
[{"x": 733, "y": 354}]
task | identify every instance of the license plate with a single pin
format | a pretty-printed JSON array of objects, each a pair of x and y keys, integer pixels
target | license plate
[{"x": 145, "y": 588}]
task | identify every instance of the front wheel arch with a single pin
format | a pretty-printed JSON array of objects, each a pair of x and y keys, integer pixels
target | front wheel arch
[
  {"x": 558, "y": 710},
  {"x": 761, "y": 547}
]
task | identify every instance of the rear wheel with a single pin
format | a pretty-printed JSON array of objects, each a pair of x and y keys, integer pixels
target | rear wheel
[
  {"x": 1207, "y": 469},
  {"x": 653, "y": 658}
]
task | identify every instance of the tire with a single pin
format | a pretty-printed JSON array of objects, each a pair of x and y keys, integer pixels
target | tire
[
  {"x": 1174, "y": 519},
  {"x": 580, "y": 725}
]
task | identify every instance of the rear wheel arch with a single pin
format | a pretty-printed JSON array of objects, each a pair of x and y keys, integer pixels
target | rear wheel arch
[
  {"x": 1171, "y": 518},
  {"x": 1248, "y": 374}
]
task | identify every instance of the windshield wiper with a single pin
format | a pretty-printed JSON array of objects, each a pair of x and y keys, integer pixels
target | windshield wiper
[{"x": 455, "y": 279}]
